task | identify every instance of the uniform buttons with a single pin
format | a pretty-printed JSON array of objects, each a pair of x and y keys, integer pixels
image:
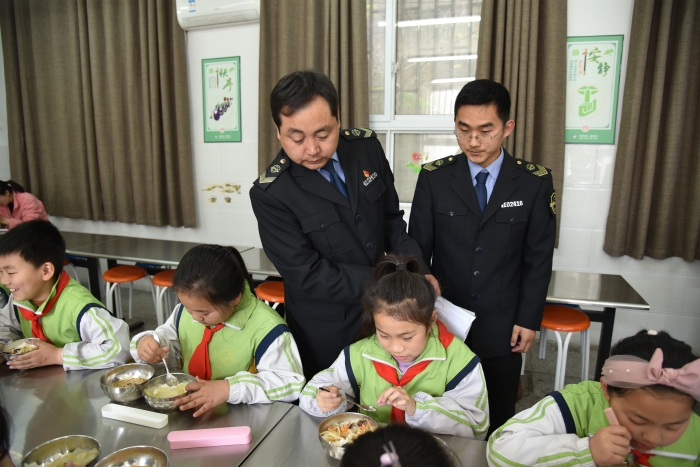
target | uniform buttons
[
  {"x": 452, "y": 213},
  {"x": 482, "y": 227},
  {"x": 475, "y": 296},
  {"x": 512, "y": 219},
  {"x": 477, "y": 273},
  {"x": 323, "y": 226},
  {"x": 370, "y": 246},
  {"x": 358, "y": 218},
  {"x": 479, "y": 250}
]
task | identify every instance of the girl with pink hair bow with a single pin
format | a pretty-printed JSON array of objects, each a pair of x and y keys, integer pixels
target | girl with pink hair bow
[{"x": 640, "y": 413}]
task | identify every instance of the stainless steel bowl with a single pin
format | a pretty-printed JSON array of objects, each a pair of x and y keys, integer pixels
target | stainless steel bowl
[
  {"x": 131, "y": 393},
  {"x": 13, "y": 345},
  {"x": 165, "y": 404},
  {"x": 47, "y": 452},
  {"x": 136, "y": 456},
  {"x": 337, "y": 452}
]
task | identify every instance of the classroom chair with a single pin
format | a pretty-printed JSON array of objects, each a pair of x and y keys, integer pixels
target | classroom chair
[
  {"x": 272, "y": 292},
  {"x": 122, "y": 274},
  {"x": 559, "y": 318},
  {"x": 163, "y": 281}
]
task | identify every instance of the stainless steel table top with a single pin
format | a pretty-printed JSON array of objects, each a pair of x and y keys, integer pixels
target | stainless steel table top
[
  {"x": 75, "y": 240},
  {"x": 581, "y": 288},
  {"x": 46, "y": 403},
  {"x": 294, "y": 441},
  {"x": 147, "y": 250},
  {"x": 257, "y": 262}
]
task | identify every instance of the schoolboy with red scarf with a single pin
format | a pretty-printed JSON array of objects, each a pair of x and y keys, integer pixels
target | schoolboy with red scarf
[{"x": 69, "y": 326}]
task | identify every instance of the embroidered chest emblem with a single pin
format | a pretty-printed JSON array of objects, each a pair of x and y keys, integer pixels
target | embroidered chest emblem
[
  {"x": 369, "y": 178},
  {"x": 510, "y": 204}
]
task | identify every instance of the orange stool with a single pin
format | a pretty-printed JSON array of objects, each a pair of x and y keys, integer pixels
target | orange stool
[
  {"x": 68, "y": 266},
  {"x": 122, "y": 275},
  {"x": 561, "y": 318},
  {"x": 163, "y": 281},
  {"x": 271, "y": 292}
]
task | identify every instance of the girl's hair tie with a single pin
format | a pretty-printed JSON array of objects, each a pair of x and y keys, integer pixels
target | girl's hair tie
[
  {"x": 402, "y": 267},
  {"x": 390, "y": 458},
  {"x": 628, "y": 371}
]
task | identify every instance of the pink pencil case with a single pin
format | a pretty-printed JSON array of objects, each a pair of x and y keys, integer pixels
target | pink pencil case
[{"x": 209, "y": 437}]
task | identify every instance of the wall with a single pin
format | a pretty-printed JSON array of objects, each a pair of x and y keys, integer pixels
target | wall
[{"x": 671, "y": 286}]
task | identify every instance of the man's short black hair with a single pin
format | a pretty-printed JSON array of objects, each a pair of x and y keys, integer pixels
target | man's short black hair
[
  {"x": 485, "y": 92},
  {"x": 37, "y": 242},
  {"x": 297, "y": 89}
]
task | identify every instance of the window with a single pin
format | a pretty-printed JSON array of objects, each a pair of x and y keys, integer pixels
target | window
[{"x": 421, "y": 53}]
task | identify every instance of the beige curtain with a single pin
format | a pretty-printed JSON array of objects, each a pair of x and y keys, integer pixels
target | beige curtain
[
  {"x": 656, "y": 184},
  {"x": 522, "y": 45},
  {"x": 329, "y": 35},
  {"x": 98, "y": 110}
]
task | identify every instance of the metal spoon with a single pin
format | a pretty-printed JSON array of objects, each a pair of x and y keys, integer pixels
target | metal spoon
[
  {"x": 170, "y": 380},
  {"x": 366, "y": 408}
]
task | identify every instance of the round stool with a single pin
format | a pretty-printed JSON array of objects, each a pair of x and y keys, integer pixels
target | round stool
[
  {"x": 70, "y": 269},
  {"x": 122, "y": 275},
  {"x": 561, "y": 318},
  {"x": 271, "y": 292},
  {"x": 163, "y": 281}
]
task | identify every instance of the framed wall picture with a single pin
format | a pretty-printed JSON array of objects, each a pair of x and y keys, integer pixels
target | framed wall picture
[
  {"x": 592, "y": 87},
  {"x": 221, "y": 84}
]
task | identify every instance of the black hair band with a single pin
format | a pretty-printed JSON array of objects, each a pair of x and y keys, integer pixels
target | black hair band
[{"x": 402, "y": 267}]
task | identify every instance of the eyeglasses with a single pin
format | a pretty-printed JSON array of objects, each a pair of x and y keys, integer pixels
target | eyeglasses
[{"x": 482, "y": 138}]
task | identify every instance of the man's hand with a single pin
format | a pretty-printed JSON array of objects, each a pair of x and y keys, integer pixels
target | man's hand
[
  {"x": 434, "y": 283},
  {"x": 46, "y": 354},
  {"x": 610, "y": 445},
  {"x": 206, "y": 395},
  {"x": 527, "y": 337}
]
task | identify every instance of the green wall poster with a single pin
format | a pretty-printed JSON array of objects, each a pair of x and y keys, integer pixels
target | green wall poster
[
  {"x": 221, "y": 84},
  {"x": 592, "y": 86}
]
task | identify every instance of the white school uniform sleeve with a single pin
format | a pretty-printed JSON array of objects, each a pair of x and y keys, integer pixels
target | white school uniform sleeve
[
  {"x": 10, "y": 328},
  {"x": 462, "y": 410},
  {"x": 169, "y": 338},
  {"x": 104, "y": 342},
  {"x": 336, "y": 375},
  {"x": 538, "y": 437},
  {"x": 279, "y": 374}
]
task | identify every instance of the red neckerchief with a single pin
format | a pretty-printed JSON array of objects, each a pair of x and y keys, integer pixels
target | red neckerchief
[
  {"x": 388, "y": 372},
  {"x": 199, "y": 363},
  {"x": 29, "y": 315},
  {"x": 641, "y": 458}
]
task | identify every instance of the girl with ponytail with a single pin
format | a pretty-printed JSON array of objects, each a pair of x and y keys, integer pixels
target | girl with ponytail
[
  {"x": 17, "y": 206},
  {"x": 240, "y": 349}
]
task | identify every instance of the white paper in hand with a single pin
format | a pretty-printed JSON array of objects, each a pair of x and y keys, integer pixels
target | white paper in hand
[{"x": 457, "y": 320}]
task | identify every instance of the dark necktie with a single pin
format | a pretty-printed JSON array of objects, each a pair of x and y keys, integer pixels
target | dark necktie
[
  {"x": 480, "y": 188},
  {"x": 336, "y": 181}
]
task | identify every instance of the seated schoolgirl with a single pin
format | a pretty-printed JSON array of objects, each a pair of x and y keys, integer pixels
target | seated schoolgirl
[
  {"x": 17, "y": 206},
  {"x": 409, "y": 367},
  {"x": 397, "y": 446},
  {"x": 240, "y": 349},
  {"x": 651, "y": 383}
]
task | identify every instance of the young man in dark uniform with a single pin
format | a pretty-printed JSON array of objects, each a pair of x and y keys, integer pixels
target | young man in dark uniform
[
  {"x": 327, "y": 211},
  {"x": 485, "y": 222}
]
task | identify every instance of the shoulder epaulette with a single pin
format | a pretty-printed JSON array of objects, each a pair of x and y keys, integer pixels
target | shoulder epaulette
[
  {"x": 276, "y": 167},
  {"x": 534, "y": 169},
  {"x": 434, "y": 165},
  {"x": 357, "y": 133}
]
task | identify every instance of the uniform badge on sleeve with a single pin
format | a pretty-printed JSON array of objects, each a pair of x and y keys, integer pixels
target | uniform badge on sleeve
[
  {"x": 369, "y": 178},
  {"x": 553, "y": 203}
]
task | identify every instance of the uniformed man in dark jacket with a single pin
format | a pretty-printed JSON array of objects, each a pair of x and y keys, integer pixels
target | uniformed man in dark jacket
[
  {"x": 327, "y": 211},
  {"x": 485, "y": 222}
]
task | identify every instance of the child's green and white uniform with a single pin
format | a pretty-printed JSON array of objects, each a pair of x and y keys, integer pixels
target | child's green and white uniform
[
  {"x": 450, "y": 394},
  {"x": 254, "y": 351},
  {"x": 90, "y": 336},
  {"x": 556, "y": 431}
]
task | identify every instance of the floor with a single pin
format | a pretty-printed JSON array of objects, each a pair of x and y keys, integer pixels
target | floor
[{"x": 537, "y": 381}]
